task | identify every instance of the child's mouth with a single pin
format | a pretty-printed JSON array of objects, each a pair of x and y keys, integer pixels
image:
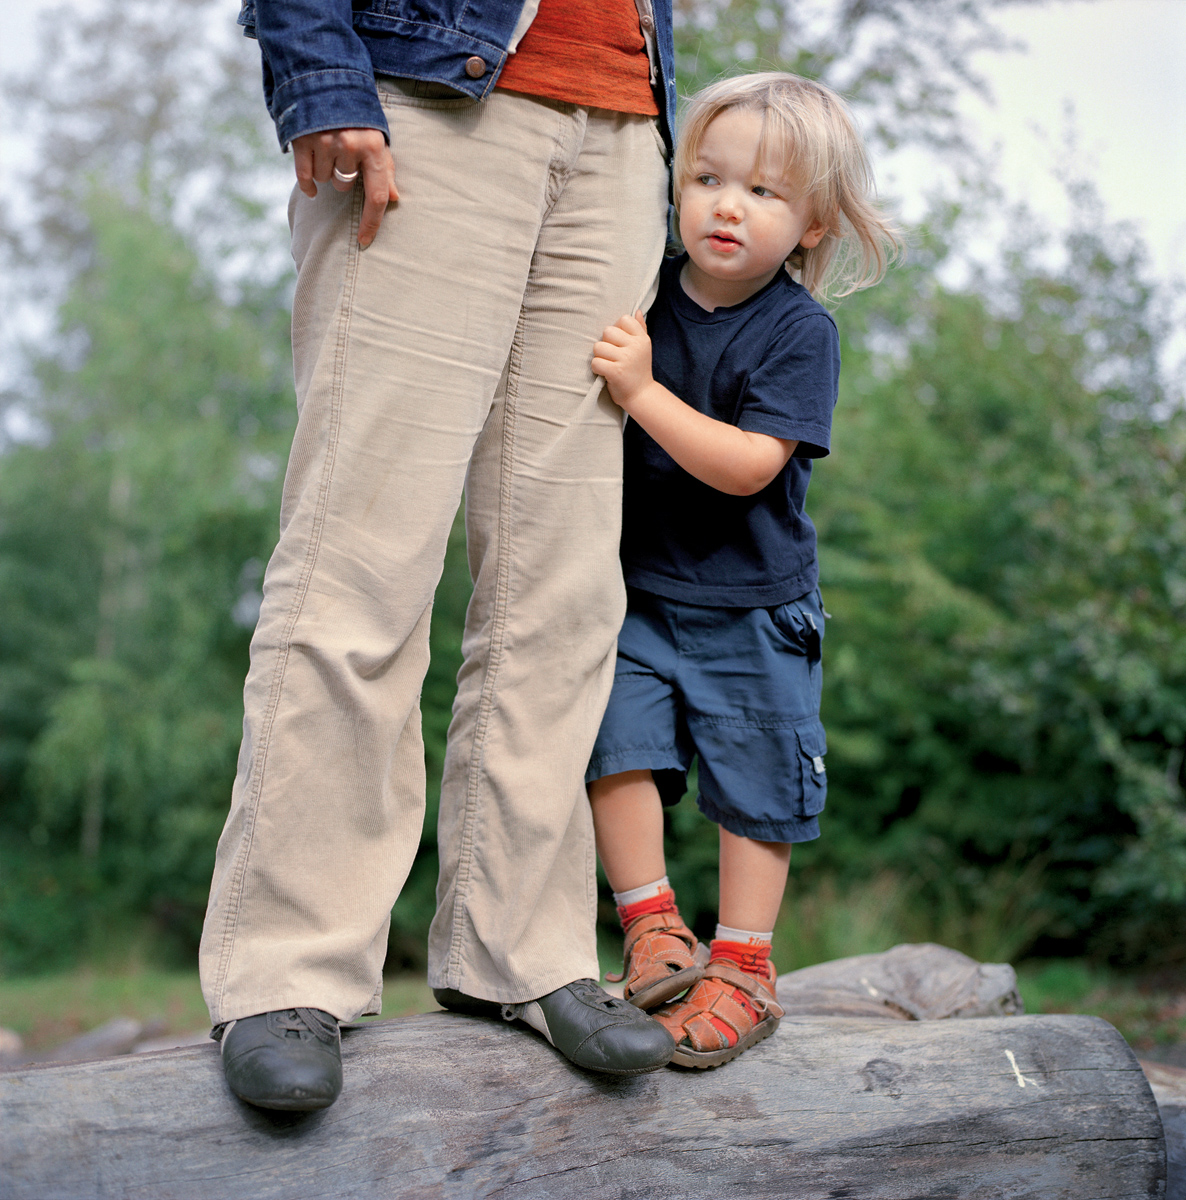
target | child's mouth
[{"x": 722, "y": 241}]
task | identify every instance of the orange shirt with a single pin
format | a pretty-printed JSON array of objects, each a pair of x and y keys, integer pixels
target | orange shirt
[{"x": 587, "y": 52}]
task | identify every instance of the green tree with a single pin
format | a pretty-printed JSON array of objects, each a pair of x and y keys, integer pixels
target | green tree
[
  {"x": 904, "y": 62},
  {"x": 158, "y": 103},
  {"x": 134, "y": 525},
  {"x": 1002, "y": 536},
  {"x": 131, "y": 547},
  {"x": 1001, "y": 520}
]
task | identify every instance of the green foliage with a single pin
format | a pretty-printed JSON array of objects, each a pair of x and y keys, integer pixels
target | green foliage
[
  {"x": 1002, "y": 535},
  {"x": 131, "y": 537},
  {"x": 903, "y": 63},
  {"x": 827, "y": 916},
  {"x": 1002, "y": 531},
  {"x": 1149, "y": 1014}
]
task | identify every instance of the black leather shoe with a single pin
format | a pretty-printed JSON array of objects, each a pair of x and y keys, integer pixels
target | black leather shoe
[
  {"x": 598, "y": 1031},
  {"x": 471, "y": 1006},
  {"x": 290, "y": 1059},
  {"x": 591, "y": 1028}
]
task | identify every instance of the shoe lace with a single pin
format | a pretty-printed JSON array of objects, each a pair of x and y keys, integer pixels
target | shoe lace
[
  {"x": 591, "y": 993},
  {"x": 585, "y": 990},
  {"x": 305, "y": 1022}
]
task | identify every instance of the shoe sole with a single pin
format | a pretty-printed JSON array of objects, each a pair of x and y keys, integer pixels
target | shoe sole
[
  {"x": 288, "y": 1105},
  {"x": 596, "y": 1070},
  {"x": 614, "y": 1070},
  {"x": 705, "y": 1060}
]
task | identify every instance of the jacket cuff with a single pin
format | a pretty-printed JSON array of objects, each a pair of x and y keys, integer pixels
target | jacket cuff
[{"x": 330, "y": 99}]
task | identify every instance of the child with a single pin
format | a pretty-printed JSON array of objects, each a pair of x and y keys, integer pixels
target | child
[{"x": 719, "y": 656}]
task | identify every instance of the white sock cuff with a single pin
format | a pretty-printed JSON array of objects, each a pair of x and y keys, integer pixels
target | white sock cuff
[
  {"x": 648, "y": 891},
  {"x": 747, "y": 937}
]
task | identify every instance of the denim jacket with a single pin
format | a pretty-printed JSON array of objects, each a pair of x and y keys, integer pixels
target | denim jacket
[{"x": 320, "y": 57}]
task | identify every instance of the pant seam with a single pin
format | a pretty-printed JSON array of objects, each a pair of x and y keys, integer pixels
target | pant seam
[
  {"x": 561, "y": 167},
  {"x": 485, "y": 706},
  {"x": 252, "y": 800}
]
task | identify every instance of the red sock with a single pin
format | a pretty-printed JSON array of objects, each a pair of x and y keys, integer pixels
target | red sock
[
  {"x": 753, "y": 959},
  {"x": 664, "y": 902}
]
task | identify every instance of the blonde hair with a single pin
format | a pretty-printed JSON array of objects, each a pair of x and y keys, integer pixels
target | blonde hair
[{"x": 809, "y": 138}]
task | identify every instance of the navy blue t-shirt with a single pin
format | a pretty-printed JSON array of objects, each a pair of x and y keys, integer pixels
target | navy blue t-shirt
[{"x": 769, "y": 365}]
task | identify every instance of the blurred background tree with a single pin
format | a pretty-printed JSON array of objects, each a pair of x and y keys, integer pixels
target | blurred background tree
[
  {"x": 132, "y": 543},
  {"x": 1001, "y": 522}
]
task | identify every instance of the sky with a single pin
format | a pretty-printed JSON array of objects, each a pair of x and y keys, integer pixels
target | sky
[
  {"x": 1120, "y": 66},
  {"x": 1116, "y": 65}
]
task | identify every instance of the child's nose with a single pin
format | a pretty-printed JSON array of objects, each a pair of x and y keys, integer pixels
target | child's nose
[{"x": 728, "y": 204}]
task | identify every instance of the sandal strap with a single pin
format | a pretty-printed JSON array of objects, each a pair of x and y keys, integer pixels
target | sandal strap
[
  {"x": 703, "y": 1034},
  {"x": 759, "y": 993},
  {"x": 668, "y": 923},
  {"x": 691, "y": 1018},
  {"x": 657, "y": 945}
]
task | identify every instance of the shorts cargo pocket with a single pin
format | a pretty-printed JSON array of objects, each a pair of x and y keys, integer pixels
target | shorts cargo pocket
[
  {"x": 800, "y": 628},
  {"x": 812, "y": 773}
]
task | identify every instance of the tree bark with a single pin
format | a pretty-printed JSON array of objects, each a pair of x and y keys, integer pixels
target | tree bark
[{"x": 442, "y": 1106}]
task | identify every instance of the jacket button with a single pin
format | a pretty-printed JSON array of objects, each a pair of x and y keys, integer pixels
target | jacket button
[
  {"x": 475, "y": 67},
  {"x": 648, "y": 24}
]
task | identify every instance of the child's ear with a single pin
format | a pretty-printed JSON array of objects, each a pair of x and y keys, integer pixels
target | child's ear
[{"x": 813, "y": 235}]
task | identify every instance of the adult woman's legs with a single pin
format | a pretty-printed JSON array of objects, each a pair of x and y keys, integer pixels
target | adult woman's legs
[
  {"x": 398, "y": 353},
  {"x": 516, "y": 900}
]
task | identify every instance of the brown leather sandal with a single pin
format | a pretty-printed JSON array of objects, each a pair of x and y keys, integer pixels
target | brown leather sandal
[
  {"x": 662, "y": 959},
  {"x": 698, "y": 1042}
]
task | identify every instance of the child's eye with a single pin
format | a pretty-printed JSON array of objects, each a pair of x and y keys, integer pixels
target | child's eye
[
  {"x": 706, "y": 180},
  {"x": 759, "y": 190}
]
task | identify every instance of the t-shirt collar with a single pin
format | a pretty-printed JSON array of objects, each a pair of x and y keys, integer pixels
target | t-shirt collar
[{"x": 690, "y": 310}]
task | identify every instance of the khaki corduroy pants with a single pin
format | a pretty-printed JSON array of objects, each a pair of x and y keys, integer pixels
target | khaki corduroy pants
[{"x": 452, "y": 353}]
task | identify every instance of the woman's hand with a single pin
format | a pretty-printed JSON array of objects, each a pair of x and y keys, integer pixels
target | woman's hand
[{"x": 315, "y": 155}]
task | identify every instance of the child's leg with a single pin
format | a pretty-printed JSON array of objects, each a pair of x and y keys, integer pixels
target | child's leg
[
  {"x": 734, "y": 1006},
  {"x": 662, "y": 956},
  {"x": 753, "y": 879},
  {"x": 628, "y": 822},
  {"x": 750, "y": 680}
]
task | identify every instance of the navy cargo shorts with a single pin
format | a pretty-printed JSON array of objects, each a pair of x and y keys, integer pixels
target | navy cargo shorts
[{"x": 737, "y": 688}]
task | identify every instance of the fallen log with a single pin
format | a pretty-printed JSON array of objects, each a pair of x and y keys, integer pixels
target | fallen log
[
  {"x": 912, "y": 982},
  {"x": 1169, "y": 1090},
  {"x": 443, "y": 1106}
]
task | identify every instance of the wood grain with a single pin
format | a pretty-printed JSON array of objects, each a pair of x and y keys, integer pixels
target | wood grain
[{"x": 447, "y": 1106}]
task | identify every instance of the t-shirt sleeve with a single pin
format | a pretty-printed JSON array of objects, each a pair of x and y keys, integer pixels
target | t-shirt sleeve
[{"x": 792, "y": 392}]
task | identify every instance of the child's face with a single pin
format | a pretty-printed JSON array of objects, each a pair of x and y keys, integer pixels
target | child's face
[{"x": 737, "y": 222}]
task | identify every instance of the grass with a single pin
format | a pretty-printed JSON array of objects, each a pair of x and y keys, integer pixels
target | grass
[
  {"x": 46, "y": 1010},
  {"x": 49, "y": 1009},
  {"x": 1147, "y": 1013},
  {"x": 825, "y": 919},
  {"x": 822, "y": 919}
]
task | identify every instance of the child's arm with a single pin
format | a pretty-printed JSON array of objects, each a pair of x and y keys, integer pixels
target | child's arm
[{"x": 729, "y": 459}]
